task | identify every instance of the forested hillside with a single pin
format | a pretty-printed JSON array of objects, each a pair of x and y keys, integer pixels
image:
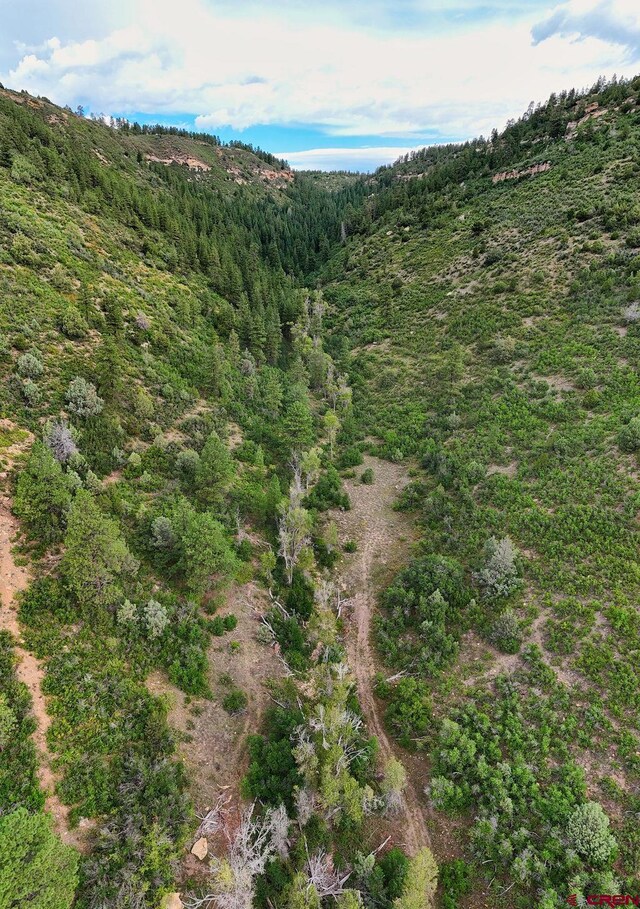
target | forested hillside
[
  {"x": 164, "y": 379},
  {"x": 216, "y": 376},
  {"x": 486, "y": 310}
]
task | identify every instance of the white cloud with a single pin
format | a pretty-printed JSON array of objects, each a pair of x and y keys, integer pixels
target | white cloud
[
  {"x": 232, "y": 70},
  {"x": 360, "y": 159},
  {"x": 616, "y": 22}
]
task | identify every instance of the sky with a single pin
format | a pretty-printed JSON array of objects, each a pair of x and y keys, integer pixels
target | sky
[{"x": 336, "y": 84}]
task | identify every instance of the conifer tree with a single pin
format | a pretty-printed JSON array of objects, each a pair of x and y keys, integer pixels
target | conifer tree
[
  {"x": 96, "y": 558},
  {"x": 43, "y": 495},
  {"x": 297, "y": 426},
  {"x": 214, "y": 470},
  {"x": 36, "y": 869}
]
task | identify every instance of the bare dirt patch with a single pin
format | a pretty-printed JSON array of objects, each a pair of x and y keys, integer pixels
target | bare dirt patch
[
  {"x": 507, "y": 470},
  {"x": 211, "y": 742},
  {"x": 558, "y": 383},
  {"x": 179, "y": 158},
  {"x": 235, "y": 435},
  {"x": 114, "y": 477},
  {"x": 480, "y": 662}
]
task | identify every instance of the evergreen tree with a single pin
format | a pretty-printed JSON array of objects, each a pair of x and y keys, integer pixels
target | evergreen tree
[
  {"x": 302, "y": 894},
  {"x": 214, "y": 470},
  {"x": 96, "y": 558},
  {"x": 270, "y": 392},
  {"x": 273, "y": 335},
  {"x": 43, "y": 495},
  {"x": 36, "y": 869},
  {"x": 297, "y": 426},
  {"x": 420, "y": 883},
  {"x": 205, "y": 551}
]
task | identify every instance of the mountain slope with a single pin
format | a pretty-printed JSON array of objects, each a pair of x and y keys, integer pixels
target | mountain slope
[
  {"x": 191, "y": 415},
  {"x": 158, "y": 352},
  {"x": 489, "y": 295}
]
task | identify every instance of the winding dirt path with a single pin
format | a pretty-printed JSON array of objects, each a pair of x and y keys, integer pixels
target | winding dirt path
[
  {"x": 13, "y": 579},
  {"x": 382, "y": 536}
]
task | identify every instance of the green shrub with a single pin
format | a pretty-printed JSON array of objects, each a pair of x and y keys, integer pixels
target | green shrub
[
  {"x": 273, "y": 774},
  {"x": 388, "y": 877},
  {"x": 244, "y": 550},
  {"x": 29, "y": 366},
  {"x": 588, "y": 833},
  {"x": 409, "y": 713},
  {"x": 629, "y": 436},
  {"x": 219, "y": 625},
  {"x": 367, "y": 477},
  {"x": 506, "y": 632},
  {"x": 292, "y": 640},
  {"x": 328, "y": 493},
  {"x": 82, "y": 398},
  {"x": 500, "y": 576},
  {"x": 350, "y": 457},
  {"x": 31, "y": 393},
  {"x": 456, "y": 878},
  {"x": 72, "y": 324},
  {"x": 235, "y": 702},
  {"x": 299, "y": 596}
]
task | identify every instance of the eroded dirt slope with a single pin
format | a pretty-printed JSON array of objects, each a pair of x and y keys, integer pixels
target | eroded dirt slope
[{"x": 13, "y": 579}]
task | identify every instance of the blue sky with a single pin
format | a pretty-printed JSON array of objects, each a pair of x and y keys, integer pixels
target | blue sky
[{"x": 341, "y": 83}]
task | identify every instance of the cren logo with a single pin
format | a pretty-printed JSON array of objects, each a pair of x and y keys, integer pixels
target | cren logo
[
  {"x": 608, "y": 899},
  {"x": 605, "y": 899}
]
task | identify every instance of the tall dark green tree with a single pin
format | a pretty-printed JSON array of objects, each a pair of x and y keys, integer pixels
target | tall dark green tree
[
  {"x": 96, "y": 561},
  {"x": 36, "y": 869}
]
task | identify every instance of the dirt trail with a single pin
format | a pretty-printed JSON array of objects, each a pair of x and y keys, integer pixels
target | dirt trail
[
  {"x": 13, "y": 579},
  {"x": 382, "y": 536}
]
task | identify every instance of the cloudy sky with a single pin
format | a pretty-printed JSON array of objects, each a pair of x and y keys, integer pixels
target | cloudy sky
[{"x": 328, "y": 84}]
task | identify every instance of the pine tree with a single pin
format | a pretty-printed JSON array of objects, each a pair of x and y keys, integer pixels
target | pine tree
[
  {"x": 243, "y": 322},
  {"x": 257, "y": 331},
  {"x": 43, "y": 495},
  {"x": 36, "y": 869},
  {"x": 302, "y": 894},
  {"x": 273, "y": 338},
  {"x": 270, "y": 391},
  {"x": 297, "y": 426},
  {"x": 96, "y": 558},
  {"x": 214, "y": 470},
  {"x": 420, "y": 884}
]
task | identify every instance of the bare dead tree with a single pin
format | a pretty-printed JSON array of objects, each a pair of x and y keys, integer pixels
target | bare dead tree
[
  {"x": 296, "y": 489},
  {"x": 322, "y": 875},
  {"x": 305, "y": 802},
  {"x": 324, "y": 593},
  {"x": 276, "y": 602},
  {"x": 252, "y": 844},
  {"x": 213, "y": 820},
  {"x": 294, "y": 527}
]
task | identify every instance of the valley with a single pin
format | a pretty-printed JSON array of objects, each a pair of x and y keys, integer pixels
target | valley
[{"x": 319, "y": 526}]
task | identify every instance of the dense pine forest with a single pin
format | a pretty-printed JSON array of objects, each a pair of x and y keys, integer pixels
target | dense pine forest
[{"x": 319, "y": 517}]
